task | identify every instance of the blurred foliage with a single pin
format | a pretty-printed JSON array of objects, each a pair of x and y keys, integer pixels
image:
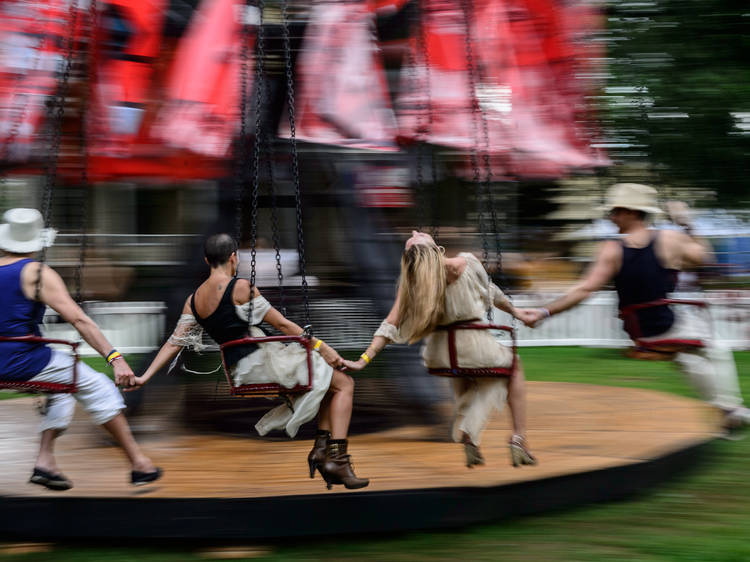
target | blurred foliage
[{"x": 678, "y": 92}]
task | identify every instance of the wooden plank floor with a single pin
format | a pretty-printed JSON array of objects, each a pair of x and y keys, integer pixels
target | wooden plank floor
[{"x": 572, "y": 428}]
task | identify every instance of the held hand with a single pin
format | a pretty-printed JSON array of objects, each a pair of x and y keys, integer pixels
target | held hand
[
  {"x": 332, "y": 357},
  {"x": 525, "y": 315},
  {"x": 138, "y": 383},
  {"x": 355, "y": 365},
  {"x": 532, "y": 317},
  {"x": 124, "y": 376}
]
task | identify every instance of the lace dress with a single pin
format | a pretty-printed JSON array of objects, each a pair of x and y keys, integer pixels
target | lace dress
[{"x": 272, "y": 362}]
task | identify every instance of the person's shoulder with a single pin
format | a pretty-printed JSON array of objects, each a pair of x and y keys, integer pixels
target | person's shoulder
[
  {"x": 242, "y": 288},
  {"x": 469, "y": 258},
  {"x": 670, "y": 238}
]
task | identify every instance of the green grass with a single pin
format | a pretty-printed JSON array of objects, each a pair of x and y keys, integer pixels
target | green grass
[{"x": 700, "y": 516}]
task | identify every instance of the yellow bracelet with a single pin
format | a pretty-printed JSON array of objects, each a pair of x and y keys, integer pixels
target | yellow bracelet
[
  {"x": 112, "y": 356},
  {"x": 366, "y": 358},
  {"x": 317, "y": 345}
]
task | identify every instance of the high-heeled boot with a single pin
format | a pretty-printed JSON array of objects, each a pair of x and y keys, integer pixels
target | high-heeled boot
[
  {"x": 317, "y": 455},
  {"x": 519, "y": 452},
  {"x": 337, "y": 468}
]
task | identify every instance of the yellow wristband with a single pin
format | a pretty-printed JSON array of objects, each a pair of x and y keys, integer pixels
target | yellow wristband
[
  {"x": 366, "y": 358},
  {"x": 317, "y": 345},
  {"x": 112, "y": 356}
]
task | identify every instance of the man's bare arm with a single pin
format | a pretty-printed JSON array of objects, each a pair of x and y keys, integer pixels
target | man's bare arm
[{"x": 599, "y": 274}]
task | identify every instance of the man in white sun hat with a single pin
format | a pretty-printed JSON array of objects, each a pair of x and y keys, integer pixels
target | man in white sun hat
[
  {"x": 644, "y": 264},
  {"x": 21, "y": 311}
]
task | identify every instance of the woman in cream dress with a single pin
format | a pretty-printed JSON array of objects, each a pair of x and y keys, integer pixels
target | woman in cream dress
[
  {"x": 221, "y": 306},
  {"x": 436, "y": 291}
]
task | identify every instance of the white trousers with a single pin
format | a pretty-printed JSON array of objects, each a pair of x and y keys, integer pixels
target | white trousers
[
  {"x": 475, "y": 401},
  {"x": 96, "y": 392},
  {"x": 710, "y": 369}
]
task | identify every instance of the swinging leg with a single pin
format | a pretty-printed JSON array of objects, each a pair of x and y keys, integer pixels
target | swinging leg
[
  {"x": 46, "y": 457},
  {"x": 339, "y": 410},
  {"x": 324, "y": 413},
  {"x": 517, "y": 400},
  {"x": 119, "y": 429}
]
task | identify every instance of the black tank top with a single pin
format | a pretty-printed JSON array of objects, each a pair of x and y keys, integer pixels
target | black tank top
[
  {"x": 224, "y": 325},
  {"x": 642, "y": 279}
]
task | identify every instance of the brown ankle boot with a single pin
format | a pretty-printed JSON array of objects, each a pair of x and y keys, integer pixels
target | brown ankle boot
[
  {"x": 337, "y": 468},
  {"x": 317, "y": 455}
]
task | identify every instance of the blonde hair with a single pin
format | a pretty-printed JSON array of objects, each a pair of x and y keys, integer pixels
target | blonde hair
[{"x": 421, "y": 291}]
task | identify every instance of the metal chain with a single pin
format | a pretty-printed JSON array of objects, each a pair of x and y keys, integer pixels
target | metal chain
[
  {"x": 55, "y": 111},
  {"x": 484, "y": 189},
  {"x": 425, "y": 55},
  {"x": 275, "y": 230},
  {"x": 476, "y": 114},
  {"x": 241, "y": 152},
  {"x": 91, "y": 62},
  {"x": 259, "y": 89},
  {"x": 295, "y": 159}
]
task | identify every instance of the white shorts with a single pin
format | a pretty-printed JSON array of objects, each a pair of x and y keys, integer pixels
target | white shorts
[{"x": 96, "y": 392}]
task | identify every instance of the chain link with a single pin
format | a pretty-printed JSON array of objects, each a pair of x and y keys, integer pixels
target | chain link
[
  {"x": 483, "y": 188},
  {"x": 295, "y": 158},
  {"x": 55, "y": 111},
  {"x": 424, "y": 53},
  {"x": 91, "y": 62},
  {"x": 241, "y": 152},
  {"x": 259, "y": 89}
]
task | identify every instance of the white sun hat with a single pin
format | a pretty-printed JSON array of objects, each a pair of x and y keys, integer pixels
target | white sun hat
[
  {"x": 23, "y": 232},
  {"x": 634, "y": 196}
]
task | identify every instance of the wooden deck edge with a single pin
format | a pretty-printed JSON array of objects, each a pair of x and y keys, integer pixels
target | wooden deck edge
[{"x": 328, "y": 514}]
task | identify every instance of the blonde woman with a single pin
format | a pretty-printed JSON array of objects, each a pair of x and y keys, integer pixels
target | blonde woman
[{"x": 435, "y": 291}]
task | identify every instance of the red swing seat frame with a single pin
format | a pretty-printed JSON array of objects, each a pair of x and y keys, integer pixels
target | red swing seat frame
[
  {"x": 629, "y": 317},
  {"x": 456, "y": 371},
  {"x": 47, "y": 387},
  {"x": 270, "y": 388}
]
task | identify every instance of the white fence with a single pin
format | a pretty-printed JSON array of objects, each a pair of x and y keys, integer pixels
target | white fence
[
  {"x": 137, "y": 327},
  {"x": 594, "y": 322},
  {"x": 131, "y": 327}
]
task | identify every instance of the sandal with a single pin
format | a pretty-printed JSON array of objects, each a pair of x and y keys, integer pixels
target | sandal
[
  {"x": 138, "y": 478},
  {"x": 56, "y": 482},
  {"x": 519, "y": 453}
]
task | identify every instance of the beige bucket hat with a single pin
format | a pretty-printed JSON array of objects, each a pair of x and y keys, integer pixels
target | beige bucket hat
[
  {"x": 23, "y": 232},
  {"x": 633, "y": 196}
]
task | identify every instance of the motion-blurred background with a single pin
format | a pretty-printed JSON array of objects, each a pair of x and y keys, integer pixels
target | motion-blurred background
[{"x": 322, "y": 132}]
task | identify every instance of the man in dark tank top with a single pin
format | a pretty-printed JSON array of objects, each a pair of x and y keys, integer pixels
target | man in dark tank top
[{"x": 643, "y": 265}]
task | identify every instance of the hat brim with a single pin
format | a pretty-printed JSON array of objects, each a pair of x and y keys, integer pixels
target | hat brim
[
  {"x": 645, "y": 209},
  {"x": 44, "y": 240}
]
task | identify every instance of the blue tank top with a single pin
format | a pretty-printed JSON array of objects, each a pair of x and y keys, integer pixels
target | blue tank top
[
  {"x": 19, "y": 361},
  {"x": 643, "y": 279}
]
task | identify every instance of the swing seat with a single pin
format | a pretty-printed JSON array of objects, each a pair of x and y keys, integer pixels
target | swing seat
[
  {"x": 46, "y": 387},
  {"x": 629, "y": 317},
  {"x": 270, "y": 388},
  {"x": 456, "y": 371}
]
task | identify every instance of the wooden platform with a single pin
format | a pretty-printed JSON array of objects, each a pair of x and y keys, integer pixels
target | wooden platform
[{"x": 593, "y": 443}]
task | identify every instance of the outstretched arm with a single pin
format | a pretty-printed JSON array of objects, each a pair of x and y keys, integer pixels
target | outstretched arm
[
  {"x": 378, "y": 343},
  {"x": 167, "y": 351},
  {"x": 604, "y": 269},
  {"x": 55, "y": 295}
]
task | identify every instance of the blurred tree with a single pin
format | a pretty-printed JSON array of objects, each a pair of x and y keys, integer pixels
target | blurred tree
[{"x": 678, "y": 92}]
